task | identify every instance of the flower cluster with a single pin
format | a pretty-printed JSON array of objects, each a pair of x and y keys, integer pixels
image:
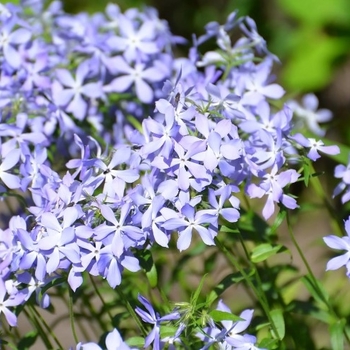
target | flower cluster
[
  {"x": 226, "y": 334},
  {"x": 213, "y": 136}
]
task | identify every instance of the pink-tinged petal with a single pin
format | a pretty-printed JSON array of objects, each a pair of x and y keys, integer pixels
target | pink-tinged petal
[
  {"x": 11, "y": 181},
  {"x": 143, "y": 91},
  {"x": 65, "y": 77},
  {"x": 12, "y": 57},
  {"x": 184, "y": 239},
  {"x": 337, "y": 262},
  {"x": 20, "y": 36},
  {"x": 336, "y": 242}
]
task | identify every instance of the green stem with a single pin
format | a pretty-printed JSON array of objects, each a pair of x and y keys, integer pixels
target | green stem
[
  {"x": 259, "y": 294},
  {"x": 71, "y": 315},
  {"x": 312, "y": 276},
  {"x": 100, "y": 297},
  {"x": 131, "y": 310},
  {"x": 33, "y": 319},
  {"x": 47, "y": 327}
]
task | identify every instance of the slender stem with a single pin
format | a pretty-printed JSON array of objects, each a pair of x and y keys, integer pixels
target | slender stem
[
  {"x": 312, "y": 276},
  {"x": 131, "y": 310},
  {"x": 71, "y": 315},
  {"x": 257, "y": 292},
  {"x": 31, "y": 316},
  {"x": 100, "y": 297},
  {"x": 47, "y": 327}
]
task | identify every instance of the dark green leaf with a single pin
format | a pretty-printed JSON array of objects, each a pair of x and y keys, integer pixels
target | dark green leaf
[
  {"x": 28, "y": 340},
  {"x": 315, "y": 289}
]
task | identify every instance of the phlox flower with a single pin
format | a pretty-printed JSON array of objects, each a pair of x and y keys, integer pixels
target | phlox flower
[
  {"x": 308, "y": 113},
  {"x": 315, "y": 146},
  {"x": 152, "y": 317},
  {"x": 341, "y": 243}
]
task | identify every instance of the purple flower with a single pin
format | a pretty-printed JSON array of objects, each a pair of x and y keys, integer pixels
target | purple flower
[
  {"x": 75, "y": 89},
  {"x": 138, "y": 75},
  {"x": 315, "y": 146},
  {"x": 152, "y": 317},
  {"x": 340, "y": 243},
  {"x": 308, "y": 113}
]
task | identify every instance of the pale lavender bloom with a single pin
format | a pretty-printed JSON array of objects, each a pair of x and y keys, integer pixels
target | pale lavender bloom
[
  {"x": 152, "y": 317},
  {"x": 315, "y": 146},
  {"x": 123, "y": 236},
  {"x": 258, "y": 86},
  {"x": 272, "y": 186},
  {"x": 134, "y": 43},
  {"x": 10, "y": 301},
  {"x": 308, "y": 113},
  {"x": 139, "y": 75},
  {"x": 340, "y": 243},
  {"x": 8, "y": 162},
  {"x": 228, "y": 336},
  {"x": 342, "y": 172},
  {"x": 188, "y": 222},
  {"x": 9, "y": 38},
  {"x": 75, "y": 88}
]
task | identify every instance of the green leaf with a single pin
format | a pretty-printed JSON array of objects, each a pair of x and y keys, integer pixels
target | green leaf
[
  {"x": 28, "y": 340},
  {"x": 219, "y": 316},
  {"x": 225, "y": 283},
  {"x": 268, "y": 343},
  {"x": 147, "y": 263},
  {"x": 195, "y": 296},
  {"x": 315, "y": 289},
  {"x": 152, "y": 276},
  {"x": 277, "y": 223},
  {"x": 264, "y": 251},
  {"x": 278, "y": 320},
  {"x": 136, "y": 341},
  {"x": 337, "y": 334}
]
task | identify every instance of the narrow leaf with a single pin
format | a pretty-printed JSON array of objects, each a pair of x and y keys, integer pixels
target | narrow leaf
[
  {"x": 337, "y": 334},
  {"x": 278, "y": 320},
  {"x": 219, "y": 316},
  {"x": 264, "y": 251}
]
